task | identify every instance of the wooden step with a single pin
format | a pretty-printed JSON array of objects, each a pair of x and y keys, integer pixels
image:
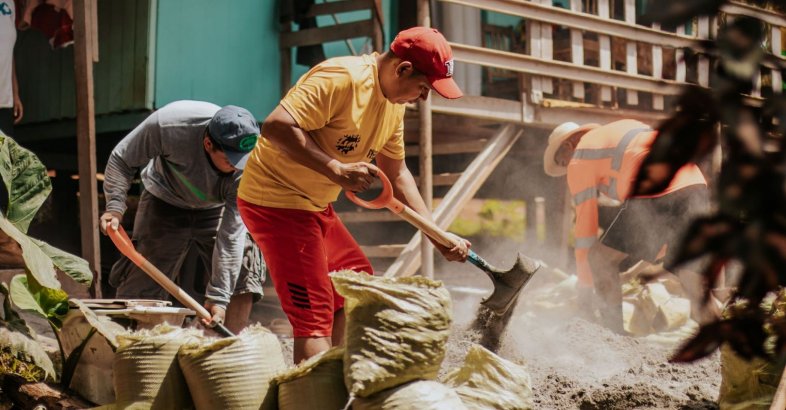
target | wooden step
[{"x": 382, "y": 251}]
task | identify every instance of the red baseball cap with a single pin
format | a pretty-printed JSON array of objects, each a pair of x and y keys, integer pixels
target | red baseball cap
[{"x": 429, "y": 53}]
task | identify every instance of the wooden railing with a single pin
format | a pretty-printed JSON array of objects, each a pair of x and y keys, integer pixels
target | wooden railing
[{"x": 621, "y": 63}]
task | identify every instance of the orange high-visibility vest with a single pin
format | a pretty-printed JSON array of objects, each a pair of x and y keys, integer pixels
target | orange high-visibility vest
[{"x": 606, "y": 161}]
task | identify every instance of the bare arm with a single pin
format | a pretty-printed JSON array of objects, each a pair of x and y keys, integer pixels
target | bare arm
[
  {"x": 282, "y": 130},
  {"x": 406, "y": 190}
]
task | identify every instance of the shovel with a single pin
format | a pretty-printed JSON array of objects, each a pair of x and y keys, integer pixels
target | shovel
[
  {"x": 124, "y": 245},
  {"x": 507, "y": 283}
]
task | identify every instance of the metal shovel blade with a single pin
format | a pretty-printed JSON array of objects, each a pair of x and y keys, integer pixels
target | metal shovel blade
[{"x": 508, "y": 284}]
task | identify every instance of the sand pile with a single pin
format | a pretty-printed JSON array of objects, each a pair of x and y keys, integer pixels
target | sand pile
[{"x": 575, "y": 364}]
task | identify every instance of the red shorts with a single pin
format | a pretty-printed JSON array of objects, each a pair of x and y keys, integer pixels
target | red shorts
[{"x": 300, "y": 248}]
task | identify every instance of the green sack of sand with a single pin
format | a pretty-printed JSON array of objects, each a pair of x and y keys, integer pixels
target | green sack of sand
[
  {"x": 233, "y": 373},
  {"x": 317, "y": 383},
  {"x": 488, "y": 382},
  {"x": 146, "y": 372},
  {"x": 397, "y": 330},
  {"x": 416, "y": 395}
]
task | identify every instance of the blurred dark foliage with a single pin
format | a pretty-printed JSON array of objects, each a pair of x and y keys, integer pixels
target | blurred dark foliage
[{"x": 749, "y": 223}]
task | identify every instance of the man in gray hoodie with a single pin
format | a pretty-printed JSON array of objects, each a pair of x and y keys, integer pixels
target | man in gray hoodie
[{"x": 193, "y": 154}]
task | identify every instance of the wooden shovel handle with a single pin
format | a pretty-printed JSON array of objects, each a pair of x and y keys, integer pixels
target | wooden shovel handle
[
  {"x": 387, "y": 200},
  {"x": 124, "y": 245}
]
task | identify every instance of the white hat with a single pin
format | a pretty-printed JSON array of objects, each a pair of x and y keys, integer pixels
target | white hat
[{"x": 560, "y": 134}]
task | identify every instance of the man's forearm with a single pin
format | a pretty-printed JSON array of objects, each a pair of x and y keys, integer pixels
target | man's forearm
[{"x": 406, "y": 190}]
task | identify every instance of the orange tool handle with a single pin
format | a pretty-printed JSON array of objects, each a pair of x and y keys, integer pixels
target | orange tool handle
[
  {"x": 120, "y": 238},
  {"x": 386, "y": 200}
]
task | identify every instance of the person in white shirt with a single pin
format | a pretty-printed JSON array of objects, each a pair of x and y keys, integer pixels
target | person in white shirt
[{"x": 11, "y": 109}]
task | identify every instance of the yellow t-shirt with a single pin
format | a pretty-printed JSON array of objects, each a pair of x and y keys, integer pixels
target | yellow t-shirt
[{"x": 341, "y": 106}]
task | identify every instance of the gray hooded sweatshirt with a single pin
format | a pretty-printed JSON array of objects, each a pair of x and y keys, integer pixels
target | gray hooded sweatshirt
[{"x": 177, "y": 170}]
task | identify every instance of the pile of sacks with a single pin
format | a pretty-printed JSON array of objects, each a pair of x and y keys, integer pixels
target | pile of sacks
[
  {"x": 174, "y": 368},
  {"x": 396, "y": 337}
]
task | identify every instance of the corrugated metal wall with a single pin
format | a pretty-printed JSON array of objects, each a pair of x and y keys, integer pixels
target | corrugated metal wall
[{"x": 46, "y": 76}]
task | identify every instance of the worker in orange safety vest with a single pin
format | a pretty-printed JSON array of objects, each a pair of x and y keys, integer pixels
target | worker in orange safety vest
[{"x": 604, "y": 160}]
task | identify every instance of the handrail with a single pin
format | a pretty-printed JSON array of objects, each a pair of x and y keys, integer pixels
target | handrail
[{"x": 577, "y": 20}]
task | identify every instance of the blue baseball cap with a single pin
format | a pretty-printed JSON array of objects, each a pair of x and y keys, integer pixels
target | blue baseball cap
[{"x": 236, "y": 131}]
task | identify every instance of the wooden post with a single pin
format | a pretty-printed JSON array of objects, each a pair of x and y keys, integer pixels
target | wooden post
[
  {"x": 426, "y": 171},
  {"x": 775, "y": 46},
  {"x": 577, "y": 50},
  {"x": 631, "y": 63},
  {"x": 86, "y": 138},
  {"x": 657, "y": 71},
  {"x": 604, "y": 11},
  {"x": 704, "y": 62},
  {"x": 376, "y": 37},
  {"x": 679, "y": 57}
]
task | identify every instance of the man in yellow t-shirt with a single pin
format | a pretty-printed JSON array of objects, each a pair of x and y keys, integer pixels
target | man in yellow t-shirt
[{"x": 340, "y": 116}]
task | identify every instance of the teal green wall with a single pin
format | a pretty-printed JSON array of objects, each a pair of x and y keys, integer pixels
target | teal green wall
[
  {"x": 229, "y": 54},
  {"x": 222, "y": 52}
]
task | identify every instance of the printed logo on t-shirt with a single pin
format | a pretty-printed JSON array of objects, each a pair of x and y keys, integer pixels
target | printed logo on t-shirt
[
  {"x": 5, "y": 9},
  {"x": 348, "y": 143},
  {"x": 371, "y": 154}
]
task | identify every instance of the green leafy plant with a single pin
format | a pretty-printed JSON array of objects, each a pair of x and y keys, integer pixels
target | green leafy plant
[{"x": 37, "y": 291}]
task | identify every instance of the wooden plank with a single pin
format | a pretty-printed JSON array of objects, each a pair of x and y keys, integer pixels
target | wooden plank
[
  {"x": 631, "y": 59},
  {"x": 377, "y": 36},
  {"x": 559, "y": 69},
  {"x": 128, "y": 58},
  {"x": 471, "y": 180},
  {"x": 86, "y": 144},
  {"x": 542, "y": 11},
  {"x": 141, "y": 27},
  {"x": 657, "y": 71},
  {"x": 775, "y": 46},
  {"x": 382, "y": 251},
  {"x": 320, "y": 35},
  {"x": 742, "y": 9},
  {"x": 336, "y": 7},
  {"x": 604, "y": 48},
  {"x": 497, "y": 109},
  {"x": 115, "y": 59},
  {"x": 577, "y": 50}
]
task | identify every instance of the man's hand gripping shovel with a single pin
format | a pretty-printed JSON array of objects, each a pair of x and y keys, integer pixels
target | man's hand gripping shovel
[
  {"x": 507, "y": 283},
  {"x": 123, "y": 243}
]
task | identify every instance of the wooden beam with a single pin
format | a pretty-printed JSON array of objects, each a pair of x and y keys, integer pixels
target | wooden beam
[
  {"x": 560, "y": 69},
  {"x": 777, "y": 78},
  {"x": 320, "y": 35},
  {"x": 498, "y": 109},
  {"x": 631, "y": 57},
  {"x": 604, "y": 44},
  {"x": 582, "y": 21},
  {"x": 425, "y": 163},
  {"x": 465, "y": 188},
  {"x": 742, "y": 9},
  {"x": 86, "y": 139},
  {"x": 336, "y": 7}
]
